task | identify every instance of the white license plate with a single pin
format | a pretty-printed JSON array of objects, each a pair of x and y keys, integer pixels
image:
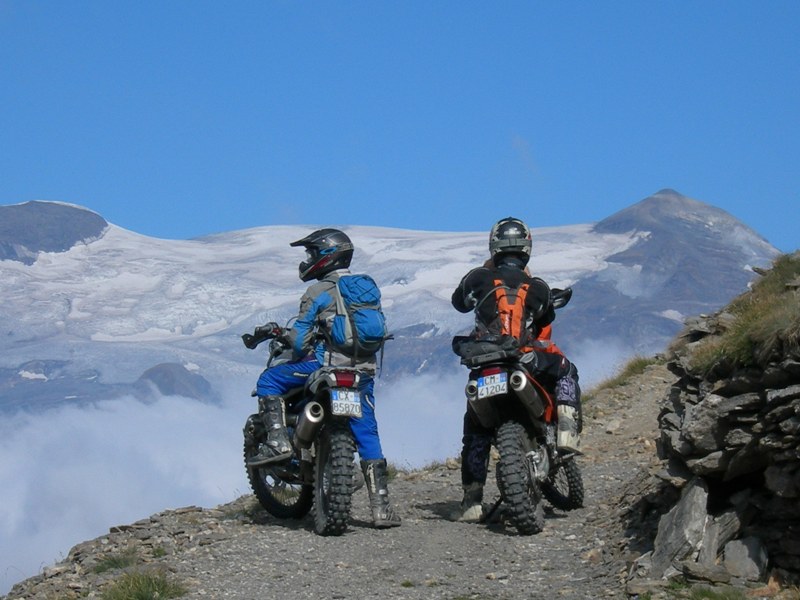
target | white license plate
[
  {"x": 346, "y": 403},
  {"x": 492, "y": 385}
]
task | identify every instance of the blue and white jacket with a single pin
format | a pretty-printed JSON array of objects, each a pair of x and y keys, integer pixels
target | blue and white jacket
[{"x": 313, "y": 325}]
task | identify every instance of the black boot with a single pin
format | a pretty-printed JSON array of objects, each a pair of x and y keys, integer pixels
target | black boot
[
  {"x": 377, "y": 479},
  {"x": 277, "y": 447}
]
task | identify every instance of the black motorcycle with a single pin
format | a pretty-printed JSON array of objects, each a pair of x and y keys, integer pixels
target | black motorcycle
[
  {"x": 505, "y": 397},
  {"x": 320, "y": 475}
]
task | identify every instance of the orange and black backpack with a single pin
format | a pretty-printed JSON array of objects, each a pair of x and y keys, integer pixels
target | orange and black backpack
[{"x": 512, "y": 317}]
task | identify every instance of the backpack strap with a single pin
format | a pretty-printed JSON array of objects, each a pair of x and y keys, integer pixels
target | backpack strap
[{"x": 511, "y": 313}]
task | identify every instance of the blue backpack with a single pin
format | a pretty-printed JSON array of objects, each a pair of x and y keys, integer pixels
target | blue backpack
[{"x": 359, "y": 327}]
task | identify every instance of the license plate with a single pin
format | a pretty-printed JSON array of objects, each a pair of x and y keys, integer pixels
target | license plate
[
  {"x": 492, "y": 385},
  {"x": 346, "y": 403}
]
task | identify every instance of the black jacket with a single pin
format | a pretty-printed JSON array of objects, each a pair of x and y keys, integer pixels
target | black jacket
[{"x": 476, "y": 292}]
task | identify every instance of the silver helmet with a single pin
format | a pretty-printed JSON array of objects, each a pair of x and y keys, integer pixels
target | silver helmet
[{"x": 510, "y": 236}]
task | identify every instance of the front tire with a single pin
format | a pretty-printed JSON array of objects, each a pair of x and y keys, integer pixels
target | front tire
[
  {"x": 564, "y": 487},
  {"x": 520, "y": 492},
  {"x": 334, "y": 470}
]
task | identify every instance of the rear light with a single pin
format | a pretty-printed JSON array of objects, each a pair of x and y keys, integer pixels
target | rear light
[
  {"x": 345, "y": 378},
  {"x": 492, "y": 371}
]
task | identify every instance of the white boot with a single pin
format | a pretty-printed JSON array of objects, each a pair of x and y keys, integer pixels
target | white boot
[
  {"x": 568, "y": 438},
  {"x": 471, "y": 507}
]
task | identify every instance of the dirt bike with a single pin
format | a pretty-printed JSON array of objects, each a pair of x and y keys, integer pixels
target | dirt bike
[
  {"x": 321, "y": 474},
  {"x": 505, "y": 397}
]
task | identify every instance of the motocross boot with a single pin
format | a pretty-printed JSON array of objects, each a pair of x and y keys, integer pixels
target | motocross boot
[
  {"x": 568, "y": 438},
  {"x": 277, "y": 447},
  {"x": 471, "y": 509},
  {"x": 377, "y": 477}
]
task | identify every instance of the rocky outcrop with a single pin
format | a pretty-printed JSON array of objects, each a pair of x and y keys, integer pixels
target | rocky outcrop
[{"x": 730, "y": 442}]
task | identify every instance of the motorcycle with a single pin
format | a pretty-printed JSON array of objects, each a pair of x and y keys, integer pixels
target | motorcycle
[
  {"x": 505, "y": 397},
  {"x": 320, "y": 475}
]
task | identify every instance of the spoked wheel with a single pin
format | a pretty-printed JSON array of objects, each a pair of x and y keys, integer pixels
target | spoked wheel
[
  {"x": 520, "y": 492},
  {"x": 334, "y": 469},
  {"x": 564, "y": 487},
  {"x": 278, "y": 488}
]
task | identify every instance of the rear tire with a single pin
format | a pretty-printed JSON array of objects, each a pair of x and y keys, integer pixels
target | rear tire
[
  {"x": 334, "y": 470},
  {"x": 276, "y": 490},
  {"x": 564, "y": 487},
  {"x": 520, "y": 492}
]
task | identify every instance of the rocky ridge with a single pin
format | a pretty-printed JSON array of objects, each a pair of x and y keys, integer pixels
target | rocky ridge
[{"x": 238, "y": 551}]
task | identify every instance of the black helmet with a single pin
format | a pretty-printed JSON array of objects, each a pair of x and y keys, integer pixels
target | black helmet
[
  {"x": 326, "y": 251},
  {"x": 512, "y": 237}
]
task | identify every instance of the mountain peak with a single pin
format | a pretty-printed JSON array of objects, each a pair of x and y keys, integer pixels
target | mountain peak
[
  {"x": 662, "y": 210},
  {"x": 39, "y": 226}
]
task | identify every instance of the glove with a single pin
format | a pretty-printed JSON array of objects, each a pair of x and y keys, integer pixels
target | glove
[
  {"x": 270, "y": 330},
  {"x": 264, "y": 332}
]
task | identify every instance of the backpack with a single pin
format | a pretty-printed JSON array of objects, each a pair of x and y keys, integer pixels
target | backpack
[
  {"x": 511, "y": 320},
  {"x": 359, "y": 328}
]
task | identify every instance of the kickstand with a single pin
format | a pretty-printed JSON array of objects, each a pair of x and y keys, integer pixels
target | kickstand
[{"x": 489, "y": 513}]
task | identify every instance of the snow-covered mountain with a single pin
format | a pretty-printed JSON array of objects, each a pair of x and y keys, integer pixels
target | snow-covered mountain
[{"x": 91, "y": 310}]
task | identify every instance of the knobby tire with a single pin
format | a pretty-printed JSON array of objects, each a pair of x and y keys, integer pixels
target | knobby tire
[
  {"x": 280, "y": 498},
  {"x": 520, "y": 493},
  {"x": 333, "y": 478},
  {"x": 564, "y": 487}
]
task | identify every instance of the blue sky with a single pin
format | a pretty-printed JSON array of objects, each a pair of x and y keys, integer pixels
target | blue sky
[{"x": 183, "y": 118}]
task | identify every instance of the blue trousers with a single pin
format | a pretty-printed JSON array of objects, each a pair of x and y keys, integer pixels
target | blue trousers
[{"x": 280, "y": 379}]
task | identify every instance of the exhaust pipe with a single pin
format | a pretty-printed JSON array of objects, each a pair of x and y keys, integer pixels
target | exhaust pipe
[
  {"x": 526, "y": 393},
  {"x": 471, "y": 390},
  {"x": 308, "y": 425}
]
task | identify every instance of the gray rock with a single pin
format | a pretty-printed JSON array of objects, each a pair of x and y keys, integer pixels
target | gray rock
[
  {"x": 746, "y": 558},
  {"x": 681, "y": 531}
]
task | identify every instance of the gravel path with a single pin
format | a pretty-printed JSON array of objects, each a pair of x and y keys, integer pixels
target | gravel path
[{"x": 580, "y": 554}]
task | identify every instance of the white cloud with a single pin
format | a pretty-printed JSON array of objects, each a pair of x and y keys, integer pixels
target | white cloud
[{"x": 69, "y": 474}]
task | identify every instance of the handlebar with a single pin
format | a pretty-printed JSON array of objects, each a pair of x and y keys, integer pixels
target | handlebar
[
  {"x": 559, "y": 297},
  {"x": 260, "y": 334}
]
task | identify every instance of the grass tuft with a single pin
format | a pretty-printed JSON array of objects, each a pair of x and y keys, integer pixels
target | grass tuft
[
  {"x": 144, "y": 585},
  {"x": 635, "y": 366},
  {"x": 766, "y": 323},
  {"x": 117, "y": 561}
]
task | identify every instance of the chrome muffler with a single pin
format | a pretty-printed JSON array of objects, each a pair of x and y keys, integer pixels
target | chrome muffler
[
  {"x": 527, "y": 393},
  {"x": 308, "y": 425}
]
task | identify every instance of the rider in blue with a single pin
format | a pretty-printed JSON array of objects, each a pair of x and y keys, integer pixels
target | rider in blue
[{"x": 328, "y": 256}]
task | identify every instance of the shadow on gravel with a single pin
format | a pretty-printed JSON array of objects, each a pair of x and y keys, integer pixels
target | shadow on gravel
[{"x": 440, "y": 510}]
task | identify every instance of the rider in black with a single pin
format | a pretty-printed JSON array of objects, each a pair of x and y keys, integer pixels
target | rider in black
[{"x": 510, "y": 248}]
